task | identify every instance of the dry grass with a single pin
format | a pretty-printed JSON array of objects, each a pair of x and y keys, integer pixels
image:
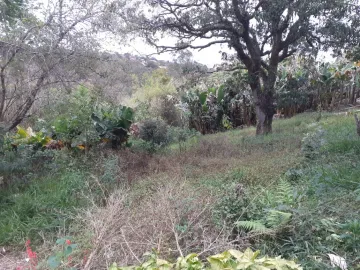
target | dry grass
[
  {"x": 174, "y": 220},
  {"x": 163, "y": 210},
  {"x": 261, "y": 157}
]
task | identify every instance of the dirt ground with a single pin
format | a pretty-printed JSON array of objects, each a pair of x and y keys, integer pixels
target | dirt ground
[{"x": 12, "y": 260}]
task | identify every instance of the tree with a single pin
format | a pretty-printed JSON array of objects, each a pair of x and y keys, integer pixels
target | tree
[
  {"x": 10, "y": 10},
  {"x": 263, "y": 33},
  {"x": 39, "y": 49}
]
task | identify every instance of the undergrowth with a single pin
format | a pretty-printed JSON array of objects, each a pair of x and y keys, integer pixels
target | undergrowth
[{"x": 294, "y": 193}]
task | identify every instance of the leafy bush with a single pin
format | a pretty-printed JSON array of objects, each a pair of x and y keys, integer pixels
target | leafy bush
[
  {"x": 231, "y": 259},
  {"x": 154, "y": 132},
  {"x": 206, "y": 110},
  {"x": 312, "y": 143},
  {"x": 181, "y": 135},
  {"x": 22, "y": 163},
  {"x": 232, "y": 206},
  {"x": 113, "y": 124},
  {"x": 169, "y": 112},
  {"x": 29, "y": 137},
  {"x": 70, "y": 121}
]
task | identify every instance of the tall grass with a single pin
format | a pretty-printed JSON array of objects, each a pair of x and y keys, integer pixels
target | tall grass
[{"x": 46, "y": 206}]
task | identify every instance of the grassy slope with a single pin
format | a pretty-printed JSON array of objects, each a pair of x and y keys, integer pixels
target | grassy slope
[{"x": 187, "y": 200}]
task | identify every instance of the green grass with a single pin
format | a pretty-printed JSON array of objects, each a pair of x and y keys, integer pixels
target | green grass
[
  {"x": 326, "y": 188},
  {"x": 45, "y": 206}
]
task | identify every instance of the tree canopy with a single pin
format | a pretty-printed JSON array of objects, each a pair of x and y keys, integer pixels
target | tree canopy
[
  {"x": 262, "y": 33},
  {"x": 10, "y": 10}
]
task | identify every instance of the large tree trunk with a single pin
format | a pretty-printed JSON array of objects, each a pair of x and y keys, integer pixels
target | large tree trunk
[
  {"x": 264, "y": 121},
  {"x": 265, "y": 110},
  {"x": 264, "y": 105}
]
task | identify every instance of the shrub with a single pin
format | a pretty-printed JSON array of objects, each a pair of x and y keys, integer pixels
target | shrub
[
  {"x": 28, "y": 137},
  {"x": 113, "y": 124},
  {"x": 70, "y": 121},
  {"x": 169, "y": 112},
  {"x": 17, "y": 167},
  {"x": 234, "y": 204},
  {"x": 181, "y": 135},
  {"x": 154, "y": 132},
  {"x": 312, "y": 143}
]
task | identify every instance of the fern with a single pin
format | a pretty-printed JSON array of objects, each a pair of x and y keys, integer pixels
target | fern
[
  {"x": 252, "y": 226},
  {"x": 276, "y": 219},
  {"x": 284, "y": 193}
]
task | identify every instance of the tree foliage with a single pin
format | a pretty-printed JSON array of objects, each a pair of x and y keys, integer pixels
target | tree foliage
[
  {"x": 262, "y": 33},
  {"x": 10, "y": 10},
  {"x": 43, "y": 50}
]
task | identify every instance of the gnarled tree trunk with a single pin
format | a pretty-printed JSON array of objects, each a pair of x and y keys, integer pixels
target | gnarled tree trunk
[
  {"x": 263, "y": 94},
  {"x": 357, "y": 124},
  {"x": 264, "y": 121},
  {"x": 265, "y": 111}
]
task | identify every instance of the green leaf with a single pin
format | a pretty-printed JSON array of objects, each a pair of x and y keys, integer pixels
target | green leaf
[
  {"x": 61, "y": 241},
  {"x": 237, "y": 254},
  {"x": 53, "y": 262},
  {"x": 191, "y": 256},
  {"x": 68, "y": 251},
  {"x": 252, "y": 226},
  {"x": 113, "y": 267},
  {"x": 212, "y": 90},
  {"x": 202, "y": 98},
  {"x": 220, "y": 93},
  {"x": 21, "y": 132}
]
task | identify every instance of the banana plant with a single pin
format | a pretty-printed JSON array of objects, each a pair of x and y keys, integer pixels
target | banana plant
[
  {"x": 206, "y": 109},
  {"x": 113, "y": 124}
]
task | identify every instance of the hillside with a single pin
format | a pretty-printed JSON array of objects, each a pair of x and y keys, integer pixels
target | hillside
[{"x": 293, "y": 193}]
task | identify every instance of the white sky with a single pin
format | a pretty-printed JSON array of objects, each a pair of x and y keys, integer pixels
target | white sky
[{"x": 209, "y": 56}]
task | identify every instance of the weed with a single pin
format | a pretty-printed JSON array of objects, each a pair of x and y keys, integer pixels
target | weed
[{"x": 62, "y": 259}]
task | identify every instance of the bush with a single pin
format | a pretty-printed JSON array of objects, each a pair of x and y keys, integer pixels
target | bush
[
  {"x": 181, "y": 135},
  {"x": 233, "y": 205},
  {"x": 17, "y": 167},
  {"x": 169, "y": 112},
  {"x": 70, "y": 121},
  {"x": 312, "y": 143},
  {"x": 113, "y": 123},
  {"x": 154, "y": 132}
]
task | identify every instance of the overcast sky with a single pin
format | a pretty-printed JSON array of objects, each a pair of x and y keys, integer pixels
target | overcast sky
[{"x": 209, "y": 56}]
